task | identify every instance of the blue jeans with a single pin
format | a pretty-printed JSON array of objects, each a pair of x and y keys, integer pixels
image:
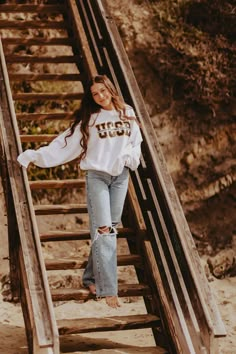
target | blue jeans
[{"x": 105, "y": 198}]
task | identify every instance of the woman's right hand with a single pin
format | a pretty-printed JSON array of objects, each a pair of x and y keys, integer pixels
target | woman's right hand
[{"x": 25, "y": 158}]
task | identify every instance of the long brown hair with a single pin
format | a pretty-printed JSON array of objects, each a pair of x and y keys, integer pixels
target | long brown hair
[{"x": 88, "y": 106}]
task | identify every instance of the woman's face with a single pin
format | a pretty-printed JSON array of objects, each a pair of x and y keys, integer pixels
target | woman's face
[{"x": 102, "y": 96}]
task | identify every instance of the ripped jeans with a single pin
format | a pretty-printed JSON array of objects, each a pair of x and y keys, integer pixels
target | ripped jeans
[{"x": 105, "y": 198}]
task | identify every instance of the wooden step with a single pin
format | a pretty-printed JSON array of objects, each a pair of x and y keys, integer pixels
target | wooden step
[
  {"x": 84, "y": 294},
  {"x": 43, "y": 116},
  {"x": 114, "y": 323},
  {"x": 47, "y": 96},
  {"x": 123, "y": 350},
  {"x": 78, "y": 263},
  {"x": 11, "y": 8},
  {"x": 45, "y": 77},
  {"x": 55, "y": 184},
  {"x": 78, "y": 344},
  {"x": 52, "y": 236},
  {"x": 38, "y": 138},
  {"x": 22, "y": 25},
  {"x": 41, "y": 41},
  {"x": 60, "y": 209},
  {"x": 42, "y": 59}
]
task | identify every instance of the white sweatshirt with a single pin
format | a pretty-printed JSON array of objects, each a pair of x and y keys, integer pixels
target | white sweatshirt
[{"x": 113, "y": 143}]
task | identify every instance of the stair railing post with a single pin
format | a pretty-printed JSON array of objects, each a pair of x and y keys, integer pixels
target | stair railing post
[{"x": 13, "y": 232}]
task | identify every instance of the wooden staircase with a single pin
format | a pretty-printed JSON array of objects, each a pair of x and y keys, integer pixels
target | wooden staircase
[{"x": 41, "y": 87}]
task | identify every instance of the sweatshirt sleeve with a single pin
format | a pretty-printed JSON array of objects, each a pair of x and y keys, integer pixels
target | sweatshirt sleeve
[
  {"x": 134, "y": 148},
  {"x": 56, "y": 153}
]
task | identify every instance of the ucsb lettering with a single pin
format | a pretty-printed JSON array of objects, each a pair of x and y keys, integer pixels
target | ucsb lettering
[{"x": 112, "y": 129}]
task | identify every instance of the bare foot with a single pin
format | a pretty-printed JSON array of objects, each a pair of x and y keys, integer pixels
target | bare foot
[
  {"x": 112, "y": 301},
  {"x": 92, "y": 289}
]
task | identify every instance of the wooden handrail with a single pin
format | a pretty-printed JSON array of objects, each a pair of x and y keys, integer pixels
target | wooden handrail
[
  {"x": 78, "y": 29},
  {"x": 158, "y": 199},
  {"x": 39, "y": 304}
]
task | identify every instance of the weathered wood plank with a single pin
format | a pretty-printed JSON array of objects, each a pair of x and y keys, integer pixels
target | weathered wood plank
[
  {"x": 26, "y": 302},
  {"x": 172, "y": 313},
  {"x": 134, "y": 350},
  {"x": 101, "y": 344},
  {"x": 52, "y": 236},
  {"x": 13, "y": 235},
  {"x": 84, "y": 294},
  {"x": 42, "y": 116},
  {"x": 37, "y": 138},
  {"x": 81, "y": 235},
  {"x": 5, "y": 24},
  {"x": 42, "y": 59},
  {"x": 125, "y": 350},
  {"x": 80, "y": 263},
  {"x": 113, "y": 323},
  {"x": 60, "y": 209},
  {"x": 11, "y": 8},
  {"x": 7, "y": 206},
  {"x": 45, "y": 77},
  {"x": 57, "y": 184},
  {"x": 47, "y": 96},
  {"x": 65, "y": 41},
  {"x": 82, "y": 40}
]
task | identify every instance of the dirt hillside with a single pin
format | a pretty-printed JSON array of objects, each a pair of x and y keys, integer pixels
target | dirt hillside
[{"x": 198, "y": 141}]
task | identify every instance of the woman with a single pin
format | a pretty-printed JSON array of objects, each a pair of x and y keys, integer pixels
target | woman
[{"x": 106, "y": 139}]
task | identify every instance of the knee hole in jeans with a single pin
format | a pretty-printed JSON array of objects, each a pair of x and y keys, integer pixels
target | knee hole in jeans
[
  {"x": 106, "y": 230},
  {"x": 103, "y": 229}
]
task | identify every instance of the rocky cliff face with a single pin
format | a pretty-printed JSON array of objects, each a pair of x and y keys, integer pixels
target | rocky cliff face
[{"x": 198, "y": 140}]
